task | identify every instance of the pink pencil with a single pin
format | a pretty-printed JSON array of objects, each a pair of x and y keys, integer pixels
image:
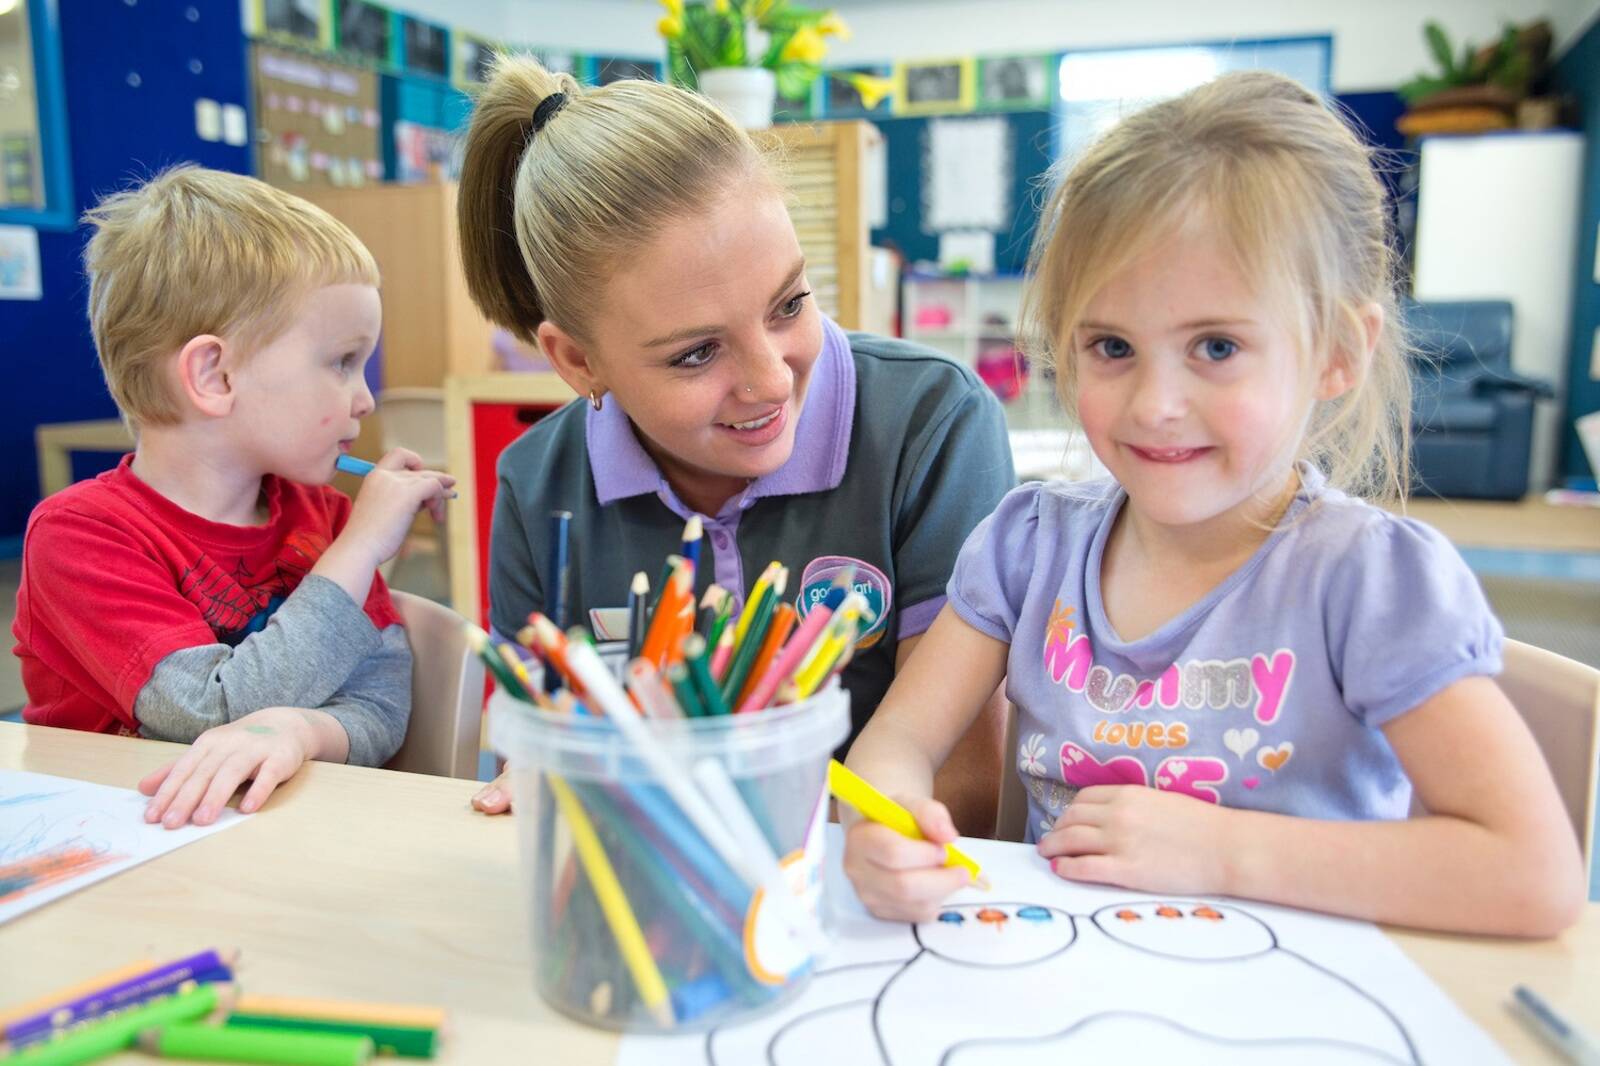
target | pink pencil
[
  {"x": 796, "y": 649},
  {"x": 722, "y": 653}
]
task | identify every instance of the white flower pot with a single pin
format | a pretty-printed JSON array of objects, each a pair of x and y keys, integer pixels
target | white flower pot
[{"x": 745, "y": 93}]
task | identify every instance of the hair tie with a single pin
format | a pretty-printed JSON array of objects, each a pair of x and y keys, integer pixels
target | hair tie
[{"x": 547, "y": 110}]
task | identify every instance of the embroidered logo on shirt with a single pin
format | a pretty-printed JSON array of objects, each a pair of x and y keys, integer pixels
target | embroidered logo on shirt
[{"x": 871, "y": 582}]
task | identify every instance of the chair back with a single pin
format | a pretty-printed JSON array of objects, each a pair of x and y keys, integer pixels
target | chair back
[
  {"x": 414, "y": 418},
  {"x": 1559, "y": 699},
  {"x": 446, "y": 692}
]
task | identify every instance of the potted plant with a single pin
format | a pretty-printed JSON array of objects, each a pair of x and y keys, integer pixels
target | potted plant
[
  {"x": 743, "y": 53},
  {"x": 1482, "y": 89}
]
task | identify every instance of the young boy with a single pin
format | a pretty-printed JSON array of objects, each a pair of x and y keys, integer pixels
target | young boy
[{"x": 213, "y": 589}]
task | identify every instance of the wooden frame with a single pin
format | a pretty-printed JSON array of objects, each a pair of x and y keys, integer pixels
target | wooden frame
[
  {"x": 460, "y": 394},
  {"x": 824, "y": 172}
]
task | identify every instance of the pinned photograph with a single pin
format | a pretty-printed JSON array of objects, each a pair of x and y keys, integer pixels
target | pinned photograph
[
  {"x": 1014, "y": 82},
  {"x": 938, "y": 86}
]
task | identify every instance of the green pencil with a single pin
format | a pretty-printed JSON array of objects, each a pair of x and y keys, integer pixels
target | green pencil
[
  {"x": 694, "y": 656},
  {"x": 238, "y": 1043},
  {"x": 684, "y": 688},
  {"x": 744, "y": 656},
  {"x": 119, "y": 1031},
  {"x": 405, "y": 1040}
]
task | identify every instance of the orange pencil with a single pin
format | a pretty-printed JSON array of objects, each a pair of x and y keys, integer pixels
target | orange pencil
[
  {"x": 777, "y": 632},
  {"x": 677, "y": 599}
]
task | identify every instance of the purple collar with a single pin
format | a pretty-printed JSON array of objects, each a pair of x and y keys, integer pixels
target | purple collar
[{"x": 622, "y": 468}]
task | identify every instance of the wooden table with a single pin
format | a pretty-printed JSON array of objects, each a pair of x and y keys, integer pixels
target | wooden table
[{"x": 371, "y": 884}]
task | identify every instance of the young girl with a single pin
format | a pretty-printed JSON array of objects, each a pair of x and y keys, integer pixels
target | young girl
[{"x": 1230, "y": 674}]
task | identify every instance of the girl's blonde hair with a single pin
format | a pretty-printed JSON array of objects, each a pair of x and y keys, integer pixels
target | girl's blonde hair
[
  {"x": 1293, "y": 190},
  {"x": 546, "y": 215}
]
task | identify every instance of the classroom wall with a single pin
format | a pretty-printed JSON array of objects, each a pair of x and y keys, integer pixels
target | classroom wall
[
  {"x": 1578, "y": 73},
  {"x": 1377, "y": 44},
  {"x": 132, "y": 74}
]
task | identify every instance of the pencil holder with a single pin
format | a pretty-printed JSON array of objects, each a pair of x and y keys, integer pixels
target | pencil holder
[{"x": 672, "y": 902}]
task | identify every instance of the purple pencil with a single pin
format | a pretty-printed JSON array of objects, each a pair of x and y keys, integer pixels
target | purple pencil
[{"x": 206, "y": 966}]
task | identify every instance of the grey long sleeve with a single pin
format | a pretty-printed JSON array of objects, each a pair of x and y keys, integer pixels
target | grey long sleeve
[{"x": 319, "y": 650}]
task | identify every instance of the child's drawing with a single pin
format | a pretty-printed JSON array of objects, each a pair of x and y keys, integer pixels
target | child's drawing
[
  {"x": 1063, "y": 972},
  {"x": 57, "y": 835}
]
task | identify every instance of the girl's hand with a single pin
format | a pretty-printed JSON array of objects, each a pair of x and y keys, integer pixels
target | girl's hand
[
  {"x": 1141, "y": 838},
  {"x": 900, "y": 879},
  {"x": 495, "y": 797},
  {"x": 268, "y": 745}
]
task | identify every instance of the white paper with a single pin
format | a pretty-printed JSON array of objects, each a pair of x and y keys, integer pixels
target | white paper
[
  {"x": 234, "y": 129},
  {"x": 1043, "y": 971},
  {"x": 19, "y": 264},
  {"x": 966, "y": 181},
  {"x": 91, "y": 831},
  {"x": 207, "y": 119}
]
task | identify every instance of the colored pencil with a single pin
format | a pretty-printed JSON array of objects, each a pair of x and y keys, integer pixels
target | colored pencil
[
  {"x": 783, "y": 620},
  {"x": 697, "y": 662},
  {"x": 349, "y": 464},
  {"x": 117, "y": 1032},
  {"x": 613, "y": 903},
  {"x": 693, "y": 533},
  {"x": 841, "y": 634},
  {"x": 341, "y": 1010},
  {"x": 638, "y": 612},
  {"x": 157, "y": 981},
  {"x": 407, "y": 1041},
  {"x": 747, "y": 615},
  {"x": 553, "y": 652},
  {"x": 676, "y": 598},
  {"x": 559, "y": 571},
  {"x": 230, "y": 1043},
  {"x": 479, "y": 642},
  {"x": 850, "y": 787},
  {"x": 646, "y": 685},
  {"x": 811, "y": 627},
  {"x": 62, "y": 996},
  {"x": 686, "y": 691},
  {"x": 719, "y": 623},
  {"x": 748, "y": 645},
  {"x": 722, "y": 654}
]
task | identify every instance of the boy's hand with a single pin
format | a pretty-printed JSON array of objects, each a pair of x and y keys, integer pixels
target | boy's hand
[
  {"x": 897, "y": 878},
  {"x": 1140, "y": 838},
  {"x": 388, "y": 501},
  {"x": 268, "y": 745}
]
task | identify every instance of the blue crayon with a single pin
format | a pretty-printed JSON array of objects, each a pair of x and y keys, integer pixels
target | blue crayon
[{"x": 351, "y": 465}]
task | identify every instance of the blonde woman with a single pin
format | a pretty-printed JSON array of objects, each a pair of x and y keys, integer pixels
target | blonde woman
[
  {"x": 1233, "y": 674},
  {"x": 641, "y": 240}
]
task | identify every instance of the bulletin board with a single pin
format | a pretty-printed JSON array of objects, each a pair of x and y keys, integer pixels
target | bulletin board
[{"x": 317, "y": 119}]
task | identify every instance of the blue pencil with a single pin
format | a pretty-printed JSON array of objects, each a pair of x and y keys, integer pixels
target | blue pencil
[
  {"x": 693, "y": 534},
  {"x": 559, "y": 574},
  {"x": 351, "y": 465}
]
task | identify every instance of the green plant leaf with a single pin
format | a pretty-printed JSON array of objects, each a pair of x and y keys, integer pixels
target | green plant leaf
[
  {"x": 794, "y": 79},
  {"x": 1422, "y": 86},
  {"x": 1439, "y": 45}
]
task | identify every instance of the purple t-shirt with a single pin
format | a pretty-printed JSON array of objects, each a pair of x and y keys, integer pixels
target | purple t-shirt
[{"x": 1267, "y": 694}]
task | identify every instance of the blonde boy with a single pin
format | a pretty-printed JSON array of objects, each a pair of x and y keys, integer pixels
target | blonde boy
[{"x": 212, "y": 589}]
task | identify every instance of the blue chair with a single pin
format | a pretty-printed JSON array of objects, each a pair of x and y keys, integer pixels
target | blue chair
[{"x": 1471, "y": 414}]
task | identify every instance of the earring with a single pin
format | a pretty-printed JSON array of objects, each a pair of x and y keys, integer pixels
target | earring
[
  {"x": 596, "y": 400},
  {"x": 747, "y": 388}
]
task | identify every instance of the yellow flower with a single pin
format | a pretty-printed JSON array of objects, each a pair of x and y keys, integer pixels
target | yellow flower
[
  {"x": 721, "y": 6},
  {"x": 674, "y": 8},
  {"x": 806, "y": 46},
  {"x": 761, "y": 9},
  {"x": 833, "y": 26},
  {"x": 670, "y": 27},
  {"x": 872, "y": 89}
]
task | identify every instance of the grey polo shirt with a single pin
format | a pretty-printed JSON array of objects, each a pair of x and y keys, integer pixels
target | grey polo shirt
[{"x": 899, "y": 453}]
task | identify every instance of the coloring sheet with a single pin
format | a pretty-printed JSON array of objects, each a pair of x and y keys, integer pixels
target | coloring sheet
[
  {"x": 1043, "y": 971},
  {"x": 58, "y": 835}
]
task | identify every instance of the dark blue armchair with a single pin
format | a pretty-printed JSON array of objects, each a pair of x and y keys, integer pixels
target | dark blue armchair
[{"x": 1471, "y": 414}]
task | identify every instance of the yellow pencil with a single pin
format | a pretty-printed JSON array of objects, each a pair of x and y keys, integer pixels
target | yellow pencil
[
  {"x": 338, "y": 1010},
  {"x": 614, "y": 904},
  {"x": 748, "y": 615},
  {"x": 852, "y": 788}
]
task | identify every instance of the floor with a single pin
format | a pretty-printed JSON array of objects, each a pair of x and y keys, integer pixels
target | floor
[{"x": 1539, "y": 565}]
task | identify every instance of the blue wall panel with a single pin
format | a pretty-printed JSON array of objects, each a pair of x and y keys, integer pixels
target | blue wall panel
[
  {"x": 1578, "y": 73},
  {"x": 132, "y": 72}
]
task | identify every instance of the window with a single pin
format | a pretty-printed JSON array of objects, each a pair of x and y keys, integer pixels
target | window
[
  {"x": 33, "y": 173},
  {"x": 1099, "y": 87}
]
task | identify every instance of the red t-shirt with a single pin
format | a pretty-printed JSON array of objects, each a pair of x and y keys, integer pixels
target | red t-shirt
[{"x": 116, "y": 577}]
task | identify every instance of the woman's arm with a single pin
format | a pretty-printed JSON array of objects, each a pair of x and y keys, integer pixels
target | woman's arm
[{"x": 1494, "y": 854}]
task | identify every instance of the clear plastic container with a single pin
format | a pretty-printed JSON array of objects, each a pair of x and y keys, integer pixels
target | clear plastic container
[{"x": 709, "y": 946}]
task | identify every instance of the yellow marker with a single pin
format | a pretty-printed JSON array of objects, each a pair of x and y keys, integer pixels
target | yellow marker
[
  {"x": 852, "y": 788},
  {"x": 613, "y": 903}
]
